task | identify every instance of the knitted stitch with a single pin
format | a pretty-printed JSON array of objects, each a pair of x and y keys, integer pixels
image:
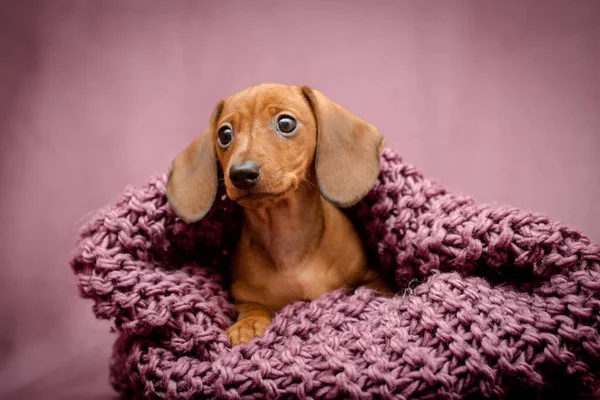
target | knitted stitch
[{"x": 492, "y": 301}]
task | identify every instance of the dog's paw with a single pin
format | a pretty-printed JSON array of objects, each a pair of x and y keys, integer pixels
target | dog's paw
[{"x": 247, "y": 329}]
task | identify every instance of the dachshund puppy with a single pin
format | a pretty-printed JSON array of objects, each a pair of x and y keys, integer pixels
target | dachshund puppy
[{"x": 290, "y": 157}]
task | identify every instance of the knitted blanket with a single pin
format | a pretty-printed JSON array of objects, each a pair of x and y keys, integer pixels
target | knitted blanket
[{"x": 492, "y": 302}]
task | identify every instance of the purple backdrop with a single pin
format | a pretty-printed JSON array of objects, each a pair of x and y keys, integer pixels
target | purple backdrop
[{"x": 499, "y": 100}]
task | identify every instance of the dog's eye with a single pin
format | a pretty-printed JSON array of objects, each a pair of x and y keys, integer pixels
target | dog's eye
[
  {"x": 225, "y": 136},
  {"x": 286, "y": 125}
]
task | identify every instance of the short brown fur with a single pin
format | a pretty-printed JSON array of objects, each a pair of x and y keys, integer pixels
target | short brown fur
[{"x": 296, "y": 244}]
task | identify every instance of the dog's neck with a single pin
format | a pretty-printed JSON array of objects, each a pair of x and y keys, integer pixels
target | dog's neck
[{"x": 291, "y": 229}]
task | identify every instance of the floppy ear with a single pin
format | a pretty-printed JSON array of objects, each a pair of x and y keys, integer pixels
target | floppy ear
[
  {"x": 348, "y": 150},
  {"x": 193, "y": 179}
]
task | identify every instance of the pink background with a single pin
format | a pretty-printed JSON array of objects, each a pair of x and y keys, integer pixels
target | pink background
[{"x": 500, "y": 100}]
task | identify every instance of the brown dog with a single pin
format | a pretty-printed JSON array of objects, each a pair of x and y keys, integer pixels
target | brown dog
[{"x": 290, "y": 158}]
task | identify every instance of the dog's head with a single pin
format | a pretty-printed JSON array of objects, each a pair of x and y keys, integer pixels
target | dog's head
[{"x": 267, "y": 140}]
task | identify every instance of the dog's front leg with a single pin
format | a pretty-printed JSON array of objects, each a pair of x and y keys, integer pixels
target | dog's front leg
[{"x": 252, "y": 322}]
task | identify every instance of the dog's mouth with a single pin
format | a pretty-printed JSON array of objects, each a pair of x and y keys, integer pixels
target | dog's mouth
[
  {"x": 258, "y": 198},
  {"x": 250, "y": 195}
]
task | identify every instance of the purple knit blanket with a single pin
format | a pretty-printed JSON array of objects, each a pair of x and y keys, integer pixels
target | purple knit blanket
[{"x": 492, "y": 302}]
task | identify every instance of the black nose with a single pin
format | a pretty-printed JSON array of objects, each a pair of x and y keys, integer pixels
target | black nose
[{"x": 245, "y": 174}]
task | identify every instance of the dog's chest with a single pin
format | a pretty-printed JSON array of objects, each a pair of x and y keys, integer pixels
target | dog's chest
[
  {"x": 305, "y": 281},
  {"x": 277, "y": 267}
]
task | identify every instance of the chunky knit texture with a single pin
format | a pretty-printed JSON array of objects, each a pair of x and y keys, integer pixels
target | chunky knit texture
[{"x": 491, "y": 301}]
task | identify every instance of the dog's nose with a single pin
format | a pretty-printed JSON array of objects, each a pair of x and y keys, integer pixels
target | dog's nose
[{"x": 245, "y": 174}]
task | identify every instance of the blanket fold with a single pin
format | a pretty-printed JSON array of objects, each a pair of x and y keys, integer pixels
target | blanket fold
[{"x": 493, "y": 302}]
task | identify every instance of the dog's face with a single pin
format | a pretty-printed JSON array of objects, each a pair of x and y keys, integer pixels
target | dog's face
[
  {"x": 268, "y": 140},
  {"x": 265, "y": 140}
]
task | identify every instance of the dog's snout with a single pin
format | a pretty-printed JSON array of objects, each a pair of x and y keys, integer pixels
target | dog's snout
[{"x": 245, "y": 174}]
